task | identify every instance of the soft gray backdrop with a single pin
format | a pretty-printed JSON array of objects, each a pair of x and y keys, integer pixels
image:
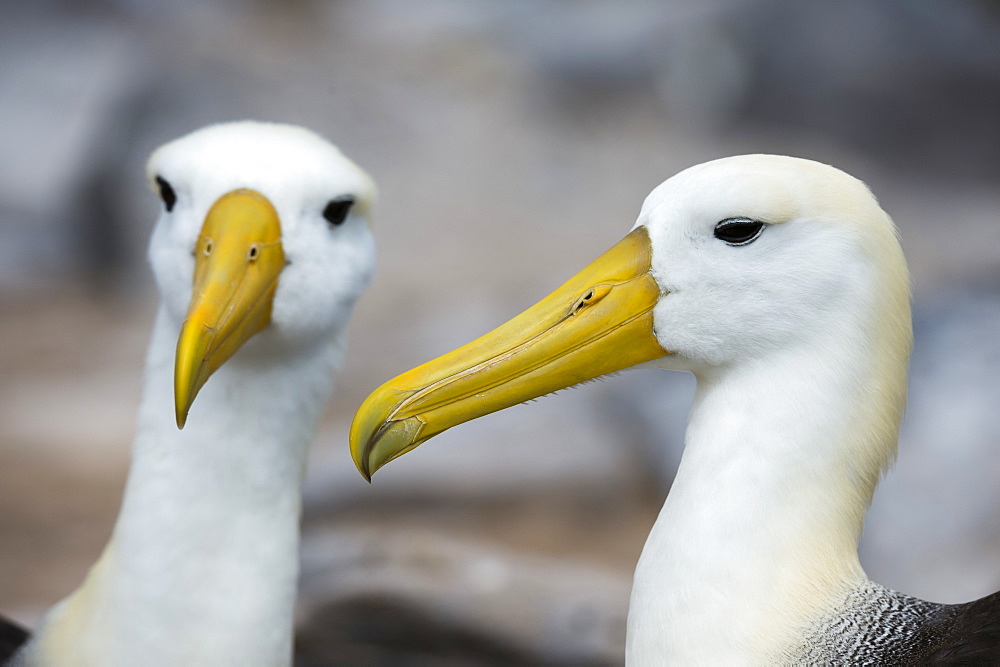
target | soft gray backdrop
[{"x": 512, "y": 143}]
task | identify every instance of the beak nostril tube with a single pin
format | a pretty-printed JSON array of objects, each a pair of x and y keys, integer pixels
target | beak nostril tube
[{"x": 590, "y": 297}]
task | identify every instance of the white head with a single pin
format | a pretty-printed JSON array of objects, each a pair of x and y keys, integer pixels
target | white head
[
  {"x": 731, "y": 263},
  {"x": 312, "y": 205},
  {"x": 758, "y": 253}
]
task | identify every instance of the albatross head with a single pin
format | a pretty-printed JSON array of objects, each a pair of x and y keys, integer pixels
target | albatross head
[
  {"x": 730, "y": 263},
  {"x": 264, "y": 228}
]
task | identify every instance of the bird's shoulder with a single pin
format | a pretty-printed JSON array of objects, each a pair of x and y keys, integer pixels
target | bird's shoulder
[
  {"x": 12, "y": 637},
  {"x": 966, "y": 634}
]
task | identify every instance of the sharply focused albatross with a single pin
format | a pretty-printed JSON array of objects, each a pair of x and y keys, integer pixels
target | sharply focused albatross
[
  {"x": 260, "y": 251},
  {"x": 779, "y": 283}
]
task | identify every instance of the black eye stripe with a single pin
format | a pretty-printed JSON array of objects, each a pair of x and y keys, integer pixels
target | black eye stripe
[
  {"x": 336, "y": 211},
  {"x": 167, "y": 193},
  {"x": 738, "y": 231}
]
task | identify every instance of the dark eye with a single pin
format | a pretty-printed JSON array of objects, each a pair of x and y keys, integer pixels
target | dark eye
[
  {"x": 167, "y": 193},
  {"x": 738, "y": 231},
  {"x": 336, "y": 211}
]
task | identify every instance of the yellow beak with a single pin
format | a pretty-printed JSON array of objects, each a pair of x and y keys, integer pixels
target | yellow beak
[
  {"x": 238, "y": 257},
  {"x": 599, "y": 322}
]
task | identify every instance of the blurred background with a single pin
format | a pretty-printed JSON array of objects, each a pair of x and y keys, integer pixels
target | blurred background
[{"x": 512, "y": 142}]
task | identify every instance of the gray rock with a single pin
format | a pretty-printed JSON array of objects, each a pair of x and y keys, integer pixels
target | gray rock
[{"x": 437, "y": 595}]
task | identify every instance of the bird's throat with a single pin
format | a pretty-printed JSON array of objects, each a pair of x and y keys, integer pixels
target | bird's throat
[
  {"x": 759, "y": 531},
  {"x": 206, "y": 544}
]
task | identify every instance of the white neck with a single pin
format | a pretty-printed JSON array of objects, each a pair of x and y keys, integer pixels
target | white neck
[
  {"x": 203, "y": 562},
  {"x": 759, "y": 532}
]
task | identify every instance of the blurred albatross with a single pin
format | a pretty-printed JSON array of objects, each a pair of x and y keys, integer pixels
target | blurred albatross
[
  {"x": 260, "y": 251},
  {"x": 779, "y": 282}
]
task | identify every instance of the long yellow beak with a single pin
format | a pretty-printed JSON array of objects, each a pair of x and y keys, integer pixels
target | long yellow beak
[
  {"x": 237, "y": 261},
  {"x": 599, "y": 322}
]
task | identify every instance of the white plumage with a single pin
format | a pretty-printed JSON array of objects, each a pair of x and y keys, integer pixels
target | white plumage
[{"x": 201, "y": 568}]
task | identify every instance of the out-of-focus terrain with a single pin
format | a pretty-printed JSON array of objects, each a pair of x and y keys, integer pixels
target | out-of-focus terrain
[{"x": 512, "y": 143}]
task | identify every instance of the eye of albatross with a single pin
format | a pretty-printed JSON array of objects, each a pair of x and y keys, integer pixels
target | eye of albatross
[
  {"x": 738, "y": 231},
  {"x": 167, "y": 193},
  {"x": 336, "y": 211}
]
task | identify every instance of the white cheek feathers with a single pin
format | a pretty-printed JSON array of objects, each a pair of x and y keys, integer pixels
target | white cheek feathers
[{"x": 813, "y": 258}]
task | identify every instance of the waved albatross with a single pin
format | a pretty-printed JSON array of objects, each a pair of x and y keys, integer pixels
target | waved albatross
[
  {"x": 260, "y": 251},
  {"x": 780, "y": 283}
]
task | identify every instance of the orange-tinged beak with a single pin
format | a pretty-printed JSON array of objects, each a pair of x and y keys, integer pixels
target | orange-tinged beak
[
  {"x": 599, "y": 322},
  {"x": 238, "y": 257}
]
